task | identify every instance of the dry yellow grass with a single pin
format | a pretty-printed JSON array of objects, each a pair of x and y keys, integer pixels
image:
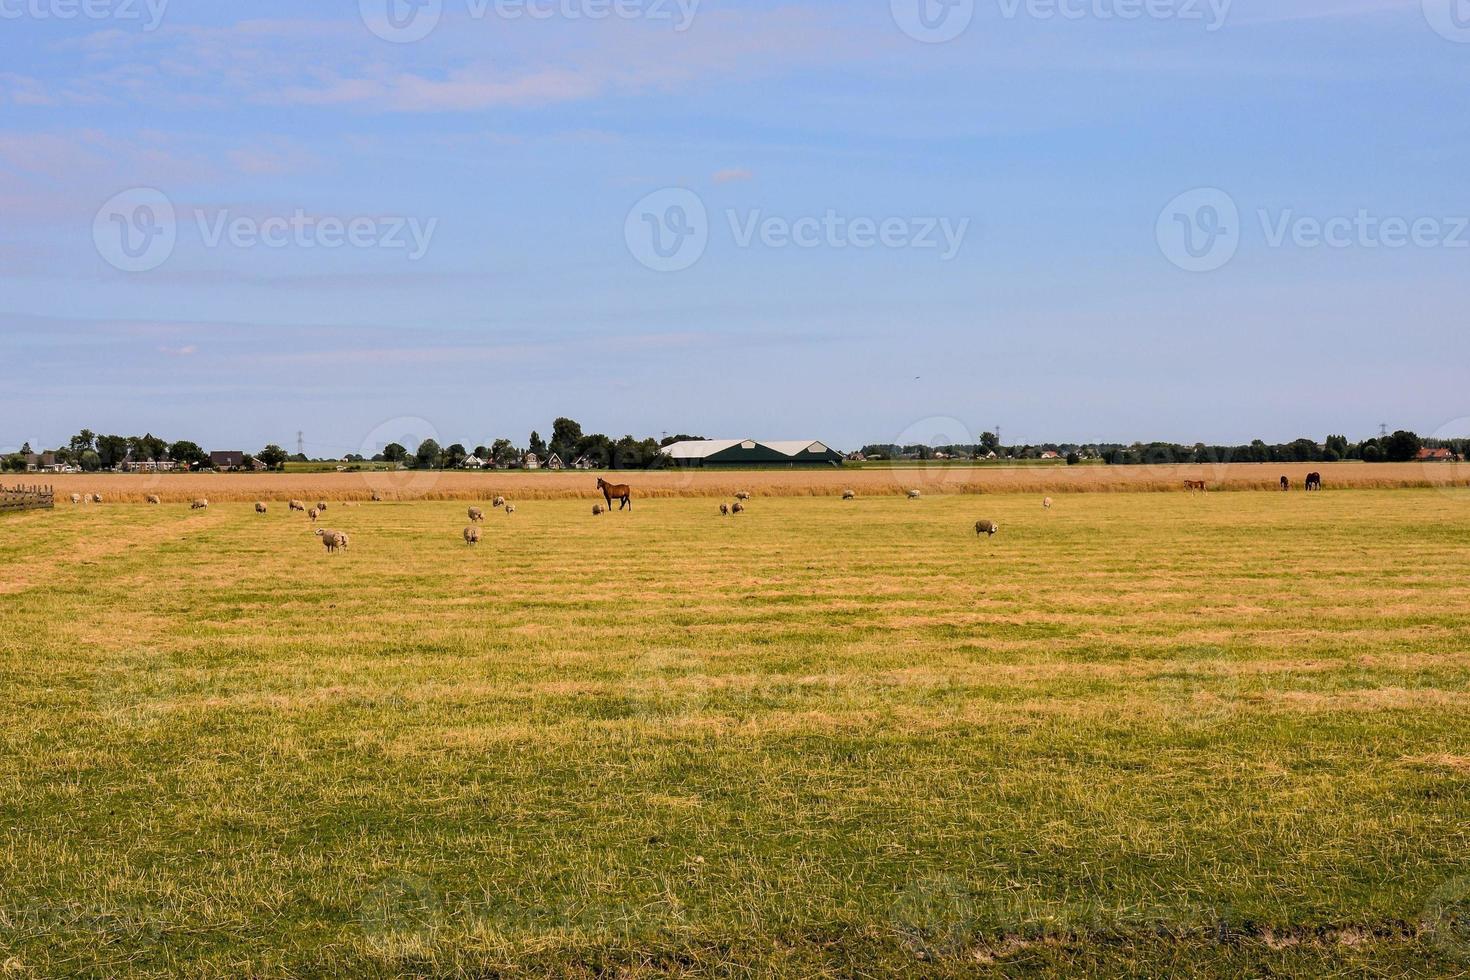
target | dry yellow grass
[{"x": 939, "y": 479}]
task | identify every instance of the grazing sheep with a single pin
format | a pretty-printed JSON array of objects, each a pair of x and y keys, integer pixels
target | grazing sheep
[
  {"x": 296, "y": 505},
  {"x": 849, "y": 495},
  {"x": 76, "y": 498},
  {"x": 96, "y": 498},
  {"x": 742, "y": 495},
  {"x": 724, "y": 510},
  {"x": 737, "y": 508},
  {"x": 199, "y": 504},
  {"x": 498, "y": 502},
  {"x": 1046, "y": 503},
  {"x": 377, "y": 497},
  {"x": 596, "y": 510},
  {"x": 321, "y": 508},
  {"x": 259, "y": 507},
  {"x": 986, "y": 527},
  {"x": 472, "y": 535},
  {"x": 313, "y": 514},
  {"x": 914, "y": 495},
  {"x": 510, "y": 508},
  {"x": 342, "y": 541},
  {"x": 332, "y": 540},
  {"x": 153, "y": 499},
  {"x": 476, "y": 514}
]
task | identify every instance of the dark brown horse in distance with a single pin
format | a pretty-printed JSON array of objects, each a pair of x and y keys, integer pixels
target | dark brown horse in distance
[
  {"x": 1285, "y": 483},
  {"x": 620, "y": 492},
  {"x": 1314, "y": 481},
  {"x": 1196, "y": 486}
]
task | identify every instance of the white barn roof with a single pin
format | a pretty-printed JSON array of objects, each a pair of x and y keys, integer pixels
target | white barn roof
[{"x": 705, "y": 448}]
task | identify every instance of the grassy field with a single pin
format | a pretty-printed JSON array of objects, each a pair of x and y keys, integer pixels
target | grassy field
[
  {"x": 942, "y": 478},
  {"x": 1140, "y": 734}
]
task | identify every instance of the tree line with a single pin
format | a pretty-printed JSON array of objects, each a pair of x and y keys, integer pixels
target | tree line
[{"x": 568, "y": 442}]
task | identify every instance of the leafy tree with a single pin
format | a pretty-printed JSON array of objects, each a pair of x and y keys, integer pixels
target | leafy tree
[
  {"x": 427, "y": 455},
  {"x": 90, "y": 461},
  {"x": 502, "y": 452},
  {"x": 482, "y": 452},
  {"x": 1402, "y": 446},
  {"x": 112, "y": 450},
  {"x": 188, "y": 453},
  {"x": 1339, "y": 445},
  {"x": 1073, "y": 459},
  {"x": 455, "y": 455},
  {"x": 681, "y": 437},
  {"x": 394, "y": 453},
  {"x": 566, "y": 437},
  {"x": 15, "y": 462},
  {"x": 25, "y": 449},
  {"x": 537, "y": 446},
  {"x": 81, "y": 442},
  {"x": 273, "y": 456}
]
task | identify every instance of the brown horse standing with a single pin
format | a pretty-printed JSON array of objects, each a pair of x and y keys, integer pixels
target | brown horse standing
[{"x": 616, "y": 491}]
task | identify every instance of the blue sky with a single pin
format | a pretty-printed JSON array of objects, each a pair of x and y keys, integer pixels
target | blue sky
[{"x": 529, "y": 153}]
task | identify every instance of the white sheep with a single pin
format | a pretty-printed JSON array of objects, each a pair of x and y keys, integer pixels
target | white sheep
[
  {"x": 724, "y": 510},
  {"x": 914, "y": 495},
  {"x": 986, "y": 527},
  {"x": 296, "y": 505},
  {"x": 153, "y": 499},
  {"x": 1046, "y": 503},
  {"x": 321, "y": 507},
  {"x": 96, "y": 498},
  {"x": 199, "y": 504},
  {"x": 377, "y": 497},
  {"x": 342, "y": 540},
  {"x": 849, "y": 495},
  {"x": 472, "y": 535},
  {"x": 498, "y": 502},
  {"x": 510, "y": 508},
  {"x": 737, "y": 508},
  {"x": 330, "y": 539},
  {"x": 259, "y": 507},
  {"x": 596, "y": 510},
  {"x": 742, "y": 495},
  {"x": 313, "y": 514},
  {"x": 476, "y": 514},
  {"x": 76, "y": 498}
]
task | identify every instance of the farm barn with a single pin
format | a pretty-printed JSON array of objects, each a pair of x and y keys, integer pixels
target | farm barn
[{"x": 751, "y": 452}]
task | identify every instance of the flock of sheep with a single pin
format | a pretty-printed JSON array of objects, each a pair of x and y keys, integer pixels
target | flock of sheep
[{"x": 338, "y": 540}]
